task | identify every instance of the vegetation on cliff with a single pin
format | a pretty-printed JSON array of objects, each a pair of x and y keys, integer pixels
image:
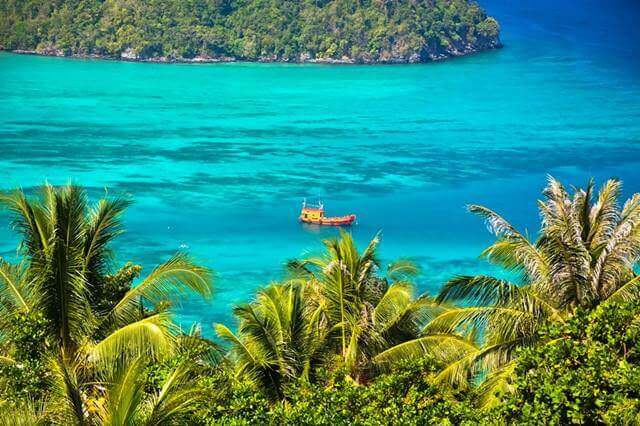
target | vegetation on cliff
[
  {"x": 342, "y": 339},
  {"x": 283, "y": 30}
]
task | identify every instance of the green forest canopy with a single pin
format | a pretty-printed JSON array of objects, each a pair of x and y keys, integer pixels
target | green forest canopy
[{"x": 288, "y": 30}]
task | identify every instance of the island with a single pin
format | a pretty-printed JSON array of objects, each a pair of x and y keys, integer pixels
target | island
[{"x": 323, "y": 31}]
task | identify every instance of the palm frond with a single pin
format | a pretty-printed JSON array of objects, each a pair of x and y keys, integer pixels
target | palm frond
[
  {"x": 104, "y": 224},
  {"x": 24, "y": 413},
  {"x": 244, "y": 350},
  {"x": 504, "y": 321},
  {"x": 445, "y": 347},
  {"x": 28, "y": 220},
  {"x": 496, "y": 386},
  {"x": 178, "y": 398},
  {"x": 151, "y": 336},
  {"x": 604, "y": 214},
  {"x": 512, "y": 250},
  {"x": 125, "y": 395},
  {"x": 402, "y": 270},
  {"x": 15, "y": 286},
  {"x": 479, "y": 290},
  {"x": 393, "y": 303},
  {"x": 66, "y": 382},
  {"x": 63, "y": 290},
  {"x": 173, "y": 278},
  {"x": 459, "y": 372},
  {"x": 628, "y": 291}
]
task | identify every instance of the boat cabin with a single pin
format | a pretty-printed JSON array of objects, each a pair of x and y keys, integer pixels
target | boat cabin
[{"x": 312, "y": 212}]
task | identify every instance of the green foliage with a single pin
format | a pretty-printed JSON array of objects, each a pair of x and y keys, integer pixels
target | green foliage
[
  {"x": 584, "y": 255},
  {"x": 23, "y": 374},
  {"x": 234, "y": 402},
  {"x": 336, "y": 310},
  {"x": 338, "y": 342},
  {"x": 69, "y": 323},
  {"x": 114, "y": 286},
  {"x": 408, "y": 395},
  {"x": 370, "y": 30},
  {"x": 588, "y": 372}
]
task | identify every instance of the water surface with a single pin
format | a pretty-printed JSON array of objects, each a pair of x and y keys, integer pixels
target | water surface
[{"x": 219, "y": 157}]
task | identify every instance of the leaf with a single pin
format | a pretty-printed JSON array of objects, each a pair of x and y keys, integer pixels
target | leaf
[
  {"x": 445, "y": 347},
  {"x": 150, "y": 336},
  {"x": 175, "y": 277}
]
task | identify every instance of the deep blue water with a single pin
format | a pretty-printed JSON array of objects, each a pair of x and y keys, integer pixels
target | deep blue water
[{"x": 218, "y": 157}]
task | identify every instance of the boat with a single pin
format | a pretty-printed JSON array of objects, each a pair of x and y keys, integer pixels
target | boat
[{"x": 314, "y": 214}]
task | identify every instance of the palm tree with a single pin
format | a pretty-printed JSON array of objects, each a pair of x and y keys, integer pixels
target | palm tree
[
  {"x": 584, "y": 255},
  {"x": 334, "y": 308},
  {"x": 362, "y": 313},
  {"x": 66, "y": 273},
  {"x": 277, "y": 340},
  {"x": 119, "y": 397}
]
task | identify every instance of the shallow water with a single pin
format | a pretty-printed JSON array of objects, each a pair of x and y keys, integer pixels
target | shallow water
[{"x": 219, "y": 157}]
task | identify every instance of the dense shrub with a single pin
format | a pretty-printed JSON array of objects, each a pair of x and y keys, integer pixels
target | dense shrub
[
  {"x": 587, "y": 372},
  {"x": 409, "y": 395},
  {"x": 25, "y": 374}
]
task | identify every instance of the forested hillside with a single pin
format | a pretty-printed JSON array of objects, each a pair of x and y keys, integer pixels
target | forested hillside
[{"x": 266, "y": 30}]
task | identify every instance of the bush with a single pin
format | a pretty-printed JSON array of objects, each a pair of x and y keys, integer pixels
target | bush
[
  {"x": 23, "y": 373},
  {"x": 587, "y": 372},
  {"x": 409, "y": 395}
]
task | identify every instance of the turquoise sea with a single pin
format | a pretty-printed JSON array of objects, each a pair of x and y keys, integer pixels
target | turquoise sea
[{"x": 219, "y": 157}]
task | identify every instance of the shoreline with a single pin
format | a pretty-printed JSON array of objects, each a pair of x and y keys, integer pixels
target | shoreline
[{"x": 131, "y": 57}]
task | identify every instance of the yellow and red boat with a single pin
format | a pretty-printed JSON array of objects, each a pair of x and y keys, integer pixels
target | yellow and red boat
[{"x": 314, "y": 214}]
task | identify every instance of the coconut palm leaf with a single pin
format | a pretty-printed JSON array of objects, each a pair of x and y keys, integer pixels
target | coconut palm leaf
[
  {"x": 459, "y": 373},
  {"x": 253, "y": 361},
  {"x": 445, "y": 347},
  {"x": 479, "y": 290},
  {"x": 604, "y": 214},
  {"x": 612, "y": 265},
  {"x": 15, "y": 285},
  {"x": 482, "y": 290},
  {"x": 504, "y": 321},
  {"x": 402, "y": 270},
  {"x": 29, "y": 220},
  {"x": 400, "y": 314},
  {"x": 176, "y": 277},
  {"x": 103, "y": 226},
  {"x": 199, "y": 349},
  {"x": 248, "y": 353},
  {"x": 177, "y": 399},
  {"x": 628, "y": 291},
  {"x": 512, "y": 250},
  {"x": 393, "y": 303},
  {"x": 64, "y": 288},
  {"x": 495, "y": 386},
  {"x": 66, "y": 381},
  {"x": 150, "y": 336},
  {"x": 24, "y": 413},
  {"x": 124, "y": 396}
]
